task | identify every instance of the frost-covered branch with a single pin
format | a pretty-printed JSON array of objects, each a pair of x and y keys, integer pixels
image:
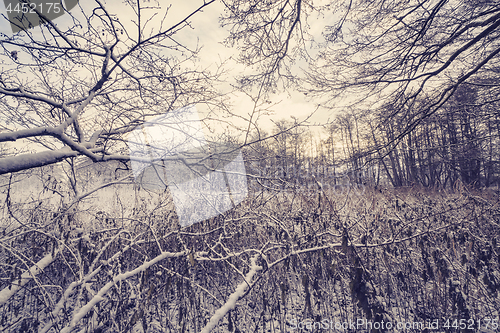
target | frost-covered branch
[
  {"x": 231, "y": 301},
  {"x": 78, "y": 315},
  {"x": 26, "y": 277}
]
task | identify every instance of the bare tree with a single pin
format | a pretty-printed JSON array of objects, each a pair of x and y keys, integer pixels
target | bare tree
[
  {"x": 72, "y": 95},
  {"x": 84, "y": 248},
  {"x": 398, "y": 52},
  {"x": 78, "y": 91}
]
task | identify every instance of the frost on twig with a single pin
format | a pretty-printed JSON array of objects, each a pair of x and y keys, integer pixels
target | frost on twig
[
  {"x": 34, "y": 270},
  {"x": 78, "y": 315},
  {"x": 231, "y": 301}
]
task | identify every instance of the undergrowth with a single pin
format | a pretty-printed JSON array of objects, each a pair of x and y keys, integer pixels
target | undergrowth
[{"x": 407, "y": 256}]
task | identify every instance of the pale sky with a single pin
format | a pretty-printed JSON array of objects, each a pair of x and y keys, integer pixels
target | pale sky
[{"x": 207, "y": 33}]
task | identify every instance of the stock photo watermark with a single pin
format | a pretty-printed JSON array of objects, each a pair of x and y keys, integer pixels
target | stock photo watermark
[
  {"x": 26, "y": 14},
  {"x": 207, "y": 179},
  {"x": 204, "y": 179},
  {"x": 402, "y": 325}
]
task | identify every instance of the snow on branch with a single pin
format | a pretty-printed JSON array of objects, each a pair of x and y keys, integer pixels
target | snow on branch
[
  {"x": 60, "y": 305},
  {"x": 29, "y": 161},
  {"x": 77, "y": 316},
  {"x": 36, "y": 269},
  {"x": 231, "y": 301}
]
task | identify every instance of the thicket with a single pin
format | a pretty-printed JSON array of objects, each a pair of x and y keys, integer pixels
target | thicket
[{"x": 404, "y": 255}]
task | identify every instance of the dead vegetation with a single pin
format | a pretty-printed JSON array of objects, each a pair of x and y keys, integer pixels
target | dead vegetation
[{"x": 398, "y": 256}]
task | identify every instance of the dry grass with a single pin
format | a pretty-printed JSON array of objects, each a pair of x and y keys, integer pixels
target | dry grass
[{"x": 394, "y": 255}]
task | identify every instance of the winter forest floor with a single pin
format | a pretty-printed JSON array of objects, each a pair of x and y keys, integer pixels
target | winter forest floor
[{"x": 279, "y": 262}]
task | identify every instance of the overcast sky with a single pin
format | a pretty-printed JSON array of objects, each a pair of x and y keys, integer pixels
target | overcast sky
[{"x": 208, "y": 33}]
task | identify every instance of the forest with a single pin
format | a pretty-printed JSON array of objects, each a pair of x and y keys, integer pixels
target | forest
[{"x": 249, "y": 166}]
